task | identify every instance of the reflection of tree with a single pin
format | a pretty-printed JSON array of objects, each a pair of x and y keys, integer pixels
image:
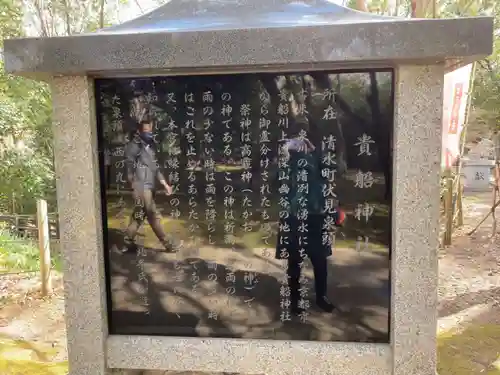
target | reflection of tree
[
  {"x": 363, "y": 106},
  {"x": 379, "y": 126},
  {"x": 382, "y": 134}
]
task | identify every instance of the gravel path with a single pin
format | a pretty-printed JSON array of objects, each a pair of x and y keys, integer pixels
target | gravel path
[{"x": 469, "y": 269}]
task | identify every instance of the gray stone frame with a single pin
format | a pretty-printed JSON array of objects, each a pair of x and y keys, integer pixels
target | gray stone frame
[
  {"x": 417, "y": 142},
  {"x": 250, "y": 36}
]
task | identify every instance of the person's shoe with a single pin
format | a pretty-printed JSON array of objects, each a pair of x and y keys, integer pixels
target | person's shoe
[
  {"x": 170, "y": 247},
  {"x": 129, "y": 246},
  {"x": 324, "y": 304}
]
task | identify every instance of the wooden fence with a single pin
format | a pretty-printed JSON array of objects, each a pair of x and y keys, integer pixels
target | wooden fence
[
  {"x": 43, "y": 226},
  {"x": 26, "y": 226},
  {"x": 451, "y": 205}
]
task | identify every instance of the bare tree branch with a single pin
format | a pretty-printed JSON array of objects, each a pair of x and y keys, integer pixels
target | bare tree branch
[
  {"x": 101, "y": 14},
  {"x": 41, "y": 18},
  {"x": 139, "y": 6}
]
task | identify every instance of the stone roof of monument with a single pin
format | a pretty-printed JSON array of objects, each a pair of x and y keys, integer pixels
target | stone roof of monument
[
  {"x": 191, "y": 15},
  {"x": 210, "y": 35}
]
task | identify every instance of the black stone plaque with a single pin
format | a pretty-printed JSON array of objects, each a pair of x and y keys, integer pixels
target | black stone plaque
[{"x": 248, "y": 205}]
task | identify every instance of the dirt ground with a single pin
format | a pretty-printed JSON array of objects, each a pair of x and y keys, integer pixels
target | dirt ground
[
  {"x": 469, "y": 302},
  {"x": 469, "y": 296}
]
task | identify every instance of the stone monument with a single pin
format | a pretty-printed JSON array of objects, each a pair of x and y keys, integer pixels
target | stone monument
[{"x": 251, "y": 186}]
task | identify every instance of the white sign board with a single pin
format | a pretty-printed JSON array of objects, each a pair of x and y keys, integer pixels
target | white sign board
[{"x": 477, "y": 175}]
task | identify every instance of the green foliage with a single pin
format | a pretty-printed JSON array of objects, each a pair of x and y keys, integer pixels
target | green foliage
[
  {"x": 25, "y": 127},
  {"x": 19, "y": 254},
  {"x": 10, "y": 19},
  {"x": 485, "y": 111},
  {"x": 25, "y": 176},
  {"x": 486, "y": 95},
  {"x": 465, "y": 8},
  {"x": 25, "y": 105},
  {"x": 26, "y": 151},
  {"x": 26, "y": 170}
]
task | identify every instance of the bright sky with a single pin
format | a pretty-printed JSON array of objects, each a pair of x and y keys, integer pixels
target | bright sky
[
  {"x": 127, "y": 12},
  {"x": 132, "y": 10}
]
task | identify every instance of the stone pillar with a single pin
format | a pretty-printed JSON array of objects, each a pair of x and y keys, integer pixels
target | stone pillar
[
  {"x": 414, "y": 271},
  {"x": 79, "y": 204}
]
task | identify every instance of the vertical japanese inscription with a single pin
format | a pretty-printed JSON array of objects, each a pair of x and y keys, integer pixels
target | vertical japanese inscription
[
  {"x": 364, "y": 180},
  {"x": 253, "y": 165},
  {"x": 265, "y": 138},
  {"x": 229, "y": 191},
  {"x": 284, "y": 180}
]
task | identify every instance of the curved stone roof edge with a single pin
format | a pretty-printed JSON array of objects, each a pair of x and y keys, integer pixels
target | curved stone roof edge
[
  {"x": 179, "y": 15},
  {"x": 394, "y": 41}
]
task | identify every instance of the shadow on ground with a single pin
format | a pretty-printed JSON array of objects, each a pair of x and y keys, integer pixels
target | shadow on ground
[{"x": 221, "y": 293}]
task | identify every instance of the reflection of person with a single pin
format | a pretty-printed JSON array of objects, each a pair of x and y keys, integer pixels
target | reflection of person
[
  {"x": 292, "y": 230},
  {"x": 142, "y": 173}
]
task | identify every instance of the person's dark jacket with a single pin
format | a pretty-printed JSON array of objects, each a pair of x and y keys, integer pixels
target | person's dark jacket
[
  {"x": 141, "y": 164},
  {"x": 317, "y": 215},
  {"x": 315, "y": 182}
]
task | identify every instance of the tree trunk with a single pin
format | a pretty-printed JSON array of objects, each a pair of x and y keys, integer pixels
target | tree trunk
[
  {"x": 101, "y": 13},
  {"x": 361, "y": 5}
]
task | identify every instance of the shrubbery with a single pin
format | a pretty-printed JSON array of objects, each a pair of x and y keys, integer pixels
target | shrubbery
[{"x": 18, "y": 254}]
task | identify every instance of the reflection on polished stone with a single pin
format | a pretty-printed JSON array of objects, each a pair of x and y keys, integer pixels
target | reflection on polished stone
[{"x": 252, "y": 206}]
